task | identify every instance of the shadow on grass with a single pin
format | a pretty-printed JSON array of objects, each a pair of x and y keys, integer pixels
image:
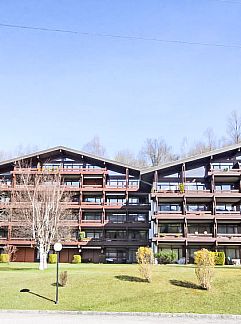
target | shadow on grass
[
  {"x": 54, "y": 285},
  {"x": 185, "y": 284},
  {"x": 130, "y": 278},
  {"x": 37, "y": 295}
]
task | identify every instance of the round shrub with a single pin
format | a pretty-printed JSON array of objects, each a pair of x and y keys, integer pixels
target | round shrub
[
  {"x": 76, "y": 258},
  {"x": 4, "y": 258},
  {"x": 53, "y": 258}
]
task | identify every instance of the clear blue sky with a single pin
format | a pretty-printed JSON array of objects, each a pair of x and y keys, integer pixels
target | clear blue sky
[{"x": 62, "y": 89}]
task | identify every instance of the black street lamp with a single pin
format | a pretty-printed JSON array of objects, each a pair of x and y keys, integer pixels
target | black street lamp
[{"x": 57, "y": 249}]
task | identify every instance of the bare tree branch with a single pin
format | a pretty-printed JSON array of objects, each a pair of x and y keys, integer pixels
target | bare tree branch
[
  {"x": 156, "y": 152},
  {"x": 234, "y": 127},
  {"x": 94, "y": 146},
  {"x": 37, "y": 198}
]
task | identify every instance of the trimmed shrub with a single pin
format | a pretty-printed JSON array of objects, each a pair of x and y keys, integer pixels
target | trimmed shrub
[
  {"x": 219, "y": 258},
  {"x": 205, "y": 262},
  {"x": 144, "y": 258},
  {"x": 166, "y": 257},
  {"x": 181, "y": 188},
  {"x": 53, "y": 258},
  {"x": 76, "y": 258},
  {"x": 63, "y": 278},
  {"x": 4, "y": 258},
  {"x": 81, "y": 235}
]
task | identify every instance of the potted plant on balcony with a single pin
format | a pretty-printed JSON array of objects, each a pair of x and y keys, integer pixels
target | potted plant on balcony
[
  {"x": 181, "y": 187},
  {"x": 81, "y": 236}
]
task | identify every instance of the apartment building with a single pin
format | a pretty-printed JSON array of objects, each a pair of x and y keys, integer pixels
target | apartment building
[
  {"x": 196, "y": 204},
  {"x": 181, "y": 206},
  {"x": 107, "y": 205}
]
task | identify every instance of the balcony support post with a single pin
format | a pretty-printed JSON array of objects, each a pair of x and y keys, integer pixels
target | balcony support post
[
  {"x": 184, "y": 205},
  {"x": 183, "y": 174},
  {"x": 185, "y": 227},
  {"x": 127, "y": 178},
  {"x": 215, "y": 228},
  {"x": 155, "y": 181},
  {"x": 186, "y": 253},
  {"x": 214, "y": 205},
  {"x": 212, "y": 183}
]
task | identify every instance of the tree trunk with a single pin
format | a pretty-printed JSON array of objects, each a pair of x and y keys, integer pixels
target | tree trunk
[
  {"x": 45, "y": 263},
  {"x": 41, "y": 259}
]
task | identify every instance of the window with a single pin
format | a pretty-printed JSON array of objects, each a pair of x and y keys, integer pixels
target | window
[
  {"x": 92, "y": 234},
  {"x": 224, "y": 187},
  {"x": 137, "y": 235},
  {"x": 170, "y": 228},
  {"x": 221, "y": 166},
  {"x": 197, "y": 207},
  {"x": 116, "y": 183},
  {"x": 115, "y": 235},
  {"x": 177, "y": 250},
  {"x": 133, "y": 183},
  {"x": 200, "y": 229},
  {"x": 116, "y": 218},
  {"x": 137, "y": 217},
  {"x": 3, "y": 232},
  {"x": 169, "y": 208},
  {"x": 229, "y": 229},
  {"x": 173, "y": 186},
  {"x": 93, "y": 199},
  {"x": 116, "y": 200},
  {"x": 195, "y": 186},
  {"x": 92, "y": 217},
  {"x": 116, "y": 255},
  {"x": 233, "y": 253},
  {"x": 72, "y": 184},
  {"x": 134, "y": 201},
  {"x": 225, "y": 207}
]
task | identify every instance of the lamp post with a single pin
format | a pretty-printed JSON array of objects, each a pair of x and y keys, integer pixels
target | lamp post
[{"x": 57, "y": 249}]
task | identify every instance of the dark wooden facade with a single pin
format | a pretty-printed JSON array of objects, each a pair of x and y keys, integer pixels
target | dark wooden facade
[
  {"x": 183, "y": 206},
  {"x": 107, "y": 204},
  {"x": 196, "y": 204}
]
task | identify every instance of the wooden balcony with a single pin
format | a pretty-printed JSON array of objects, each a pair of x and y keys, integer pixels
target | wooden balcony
[
  {"x": 225, "y": 173},
  {"x": 64, "y": 171},
  {"x": 168, "y": 238}
]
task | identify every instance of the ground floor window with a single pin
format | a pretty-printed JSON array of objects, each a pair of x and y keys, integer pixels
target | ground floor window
[
  {"x": 193, "y": 249},
  {"x": 177, "y": 250},
  {"x": 116, "y": 256},
  {"x": 231, "y": 252}
]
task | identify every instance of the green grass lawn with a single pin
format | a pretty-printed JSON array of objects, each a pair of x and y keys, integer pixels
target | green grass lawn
[{"x": 119, "y": 288}]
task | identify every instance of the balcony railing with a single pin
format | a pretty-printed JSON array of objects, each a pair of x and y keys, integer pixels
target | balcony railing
[{"x": 59, "y": 170}]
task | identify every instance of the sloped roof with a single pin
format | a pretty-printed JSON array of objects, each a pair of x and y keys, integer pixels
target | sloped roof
[
  {"x": 194, "y": 158},
  {"x": 121, "y": 166},
  {"x": 62, "y": 149}
]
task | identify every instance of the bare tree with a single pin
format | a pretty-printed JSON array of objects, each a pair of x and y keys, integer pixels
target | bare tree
[
  {"x": 210, "y": 139},
  {"x": 128, "y": 157},
  {"x": 234, "y": 127},
  {"x": 94, "y": 146},
  {"x": 156, "y": 151},
  {"x": 17, "y": 151},
  {"x": 38, "y": 200},
  {"x": 184, "y": 147},
  {"x": 208, "y": 144},
  {"x": 24, "y": 149}
]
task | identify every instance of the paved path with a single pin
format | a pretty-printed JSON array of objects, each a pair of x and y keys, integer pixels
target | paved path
[{"x": 40, "y": 318}]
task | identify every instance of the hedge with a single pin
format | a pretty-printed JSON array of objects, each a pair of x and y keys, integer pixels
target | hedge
[
  {"x": 53, "y": 258},
  {"x": 219, "y": 258},
  {"x": 76, "y": 258},
  {"x": 4, "y": 258}
]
